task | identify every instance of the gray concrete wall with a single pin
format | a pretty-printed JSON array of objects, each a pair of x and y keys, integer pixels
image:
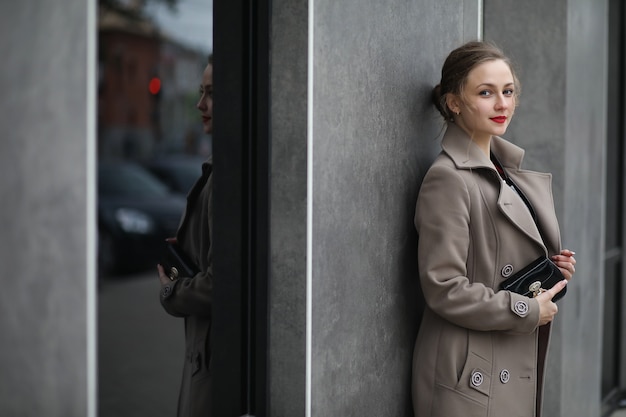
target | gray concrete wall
[
  {"x": 44, "y": 311},
  {"x": 287, "y": 292},
  {"x": 582, "y": 212},
  {"x": 364, "y": 277},
  {"x": 374, "y": 135},
  {"x": 560, "y": 50}
]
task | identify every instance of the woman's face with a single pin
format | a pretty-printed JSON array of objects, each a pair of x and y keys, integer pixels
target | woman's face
[
  {"x": 487, "y": 103},
  {"x": 205, "y": 104}
]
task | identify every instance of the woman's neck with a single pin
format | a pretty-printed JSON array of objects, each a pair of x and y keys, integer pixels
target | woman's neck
[
  {"x": 484, "y": 145},
  {"x": 483, "y": 142}
]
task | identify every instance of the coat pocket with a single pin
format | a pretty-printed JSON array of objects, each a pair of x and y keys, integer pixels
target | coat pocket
[
  {"x": 200, "y": 359},
  {"x": 470, "y": 396},
  {"x": 475, "y": 380}
]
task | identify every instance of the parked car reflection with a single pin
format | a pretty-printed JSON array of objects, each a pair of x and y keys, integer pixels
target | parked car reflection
[
  {"x": 136, "y": 212},
  {"x": 179, "y": 172}
]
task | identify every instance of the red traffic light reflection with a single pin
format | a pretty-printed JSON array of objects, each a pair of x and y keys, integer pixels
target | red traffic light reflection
[{"x": 154, "y": 86}]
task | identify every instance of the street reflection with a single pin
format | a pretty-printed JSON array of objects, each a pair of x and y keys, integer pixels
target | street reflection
[
  {"x": 139, "y": 349},
  {"x": 147, "y": 85},
  {"x": 150, "y": 149}
]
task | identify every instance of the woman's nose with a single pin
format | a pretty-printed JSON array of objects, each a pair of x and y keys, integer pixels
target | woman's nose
[{"x": 501, "y": 102}]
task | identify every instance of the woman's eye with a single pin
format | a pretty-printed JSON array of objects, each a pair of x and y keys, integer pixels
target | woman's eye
[
  {"x": 485, "y": 93},
  {"x": 201, "y": 91},
  {"x": 508, "y": 92}
]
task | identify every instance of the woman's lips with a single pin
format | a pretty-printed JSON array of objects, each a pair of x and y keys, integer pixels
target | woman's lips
[{"x": 499, "y": 119}]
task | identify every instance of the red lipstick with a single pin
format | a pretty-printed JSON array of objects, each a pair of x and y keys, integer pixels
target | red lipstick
[{"x": 499, "y": 119}]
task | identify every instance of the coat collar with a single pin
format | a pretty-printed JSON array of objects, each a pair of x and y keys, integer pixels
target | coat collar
[
  {"x": 467, "y": 155},
  {"x": 536, "y": 186}
]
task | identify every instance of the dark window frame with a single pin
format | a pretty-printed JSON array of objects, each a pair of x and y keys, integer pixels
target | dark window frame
[
  {"x": 241, "y": 155},
  {"x": 613, "y": 378}
]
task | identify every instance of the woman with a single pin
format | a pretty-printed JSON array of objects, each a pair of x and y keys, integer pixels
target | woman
[
  {"x": 481, "y": 351},
  {"x": 190, "y": 296}
]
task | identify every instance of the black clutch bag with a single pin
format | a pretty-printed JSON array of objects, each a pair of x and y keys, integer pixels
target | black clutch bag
[
  {"x": 177, "y": 263},
  {"x": 541, "y": 274}
]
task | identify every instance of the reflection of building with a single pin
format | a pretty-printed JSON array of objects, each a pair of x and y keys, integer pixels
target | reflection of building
[
  {"x": 180, "y": 70},
  {"x": 128, "y": 59},
  {"x": 132, "y": 122}
]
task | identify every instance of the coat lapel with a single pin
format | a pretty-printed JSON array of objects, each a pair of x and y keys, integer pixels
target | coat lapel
[
  {"x": 192, "y": 196},
  {"x": 514, "y": 208},
  {"x": 535, "y": 186}
]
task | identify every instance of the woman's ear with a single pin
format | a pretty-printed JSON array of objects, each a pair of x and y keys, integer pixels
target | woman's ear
[{"x": 453, "y": 103}]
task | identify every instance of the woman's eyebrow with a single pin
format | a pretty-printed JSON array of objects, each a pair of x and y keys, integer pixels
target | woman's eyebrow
[{"x": 493, "y": 85}]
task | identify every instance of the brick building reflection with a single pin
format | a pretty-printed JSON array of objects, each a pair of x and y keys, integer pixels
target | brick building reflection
[{"x": 134, "y": 122}]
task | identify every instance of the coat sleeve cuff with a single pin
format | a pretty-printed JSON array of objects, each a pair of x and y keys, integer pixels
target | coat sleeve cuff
[
  {"x": 526, "y": 309},
  {"x": 166, "y": 292}
]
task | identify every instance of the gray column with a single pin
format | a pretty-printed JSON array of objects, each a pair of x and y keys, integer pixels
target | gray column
[
  {"x": 47, "y": 302},
  {"x": 560, "y": 50},
  {"x": 372, "y": 135},
  {"x": 287, "y": 292}
]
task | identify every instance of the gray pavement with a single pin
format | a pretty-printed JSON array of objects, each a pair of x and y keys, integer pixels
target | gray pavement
[
  {"x": 140, "y": 347},
  {"x": 141, "y": 350}
]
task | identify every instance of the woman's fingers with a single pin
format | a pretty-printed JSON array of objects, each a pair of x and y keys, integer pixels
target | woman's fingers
[
  {"x": 566, "y": 263},
  {"x": 557, "y": 288},
  {"x": 548, "y": 309}
]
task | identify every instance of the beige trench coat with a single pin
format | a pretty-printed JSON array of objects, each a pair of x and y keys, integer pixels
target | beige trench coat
[{"x": 479, "y": 351}]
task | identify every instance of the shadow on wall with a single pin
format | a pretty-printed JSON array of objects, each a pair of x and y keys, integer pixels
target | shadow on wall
[
  {"x": 424, "y": 145},
  {"x": 429, "y": 128}
]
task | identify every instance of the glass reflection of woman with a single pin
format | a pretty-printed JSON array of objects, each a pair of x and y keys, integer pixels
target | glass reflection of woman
[{"x": 190, "y": 297}]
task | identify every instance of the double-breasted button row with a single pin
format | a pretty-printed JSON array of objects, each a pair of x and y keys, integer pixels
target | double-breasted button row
[{"x": 477, "y": 377}]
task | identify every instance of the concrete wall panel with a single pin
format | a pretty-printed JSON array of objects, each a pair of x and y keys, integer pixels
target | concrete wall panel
[
  {"x": 584, "y": 202},
  {"x": 287, "y": 292},
  {"x": 374, "y": 135},
  {"x": 43, "y": 250}
]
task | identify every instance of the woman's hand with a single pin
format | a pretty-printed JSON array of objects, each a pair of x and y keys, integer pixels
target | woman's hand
[
  {"x": 565, "y": 261},
  {"x": 163, "y": 278},
  {"x": 548, "y": 309}
]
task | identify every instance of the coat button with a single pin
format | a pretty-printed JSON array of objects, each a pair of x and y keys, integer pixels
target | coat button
[
  {"x": 505, "y": 376},
  {"x": 173, "y": 273},
  {"x": 167, "y": 290},
  {"x": 507, "y": 270},
  {"x": 477, "y": 378},
  {"x": 521, "y": 308}
]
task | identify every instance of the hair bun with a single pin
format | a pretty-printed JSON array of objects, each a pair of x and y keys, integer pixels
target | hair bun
[{"x": 438, "y": 101}]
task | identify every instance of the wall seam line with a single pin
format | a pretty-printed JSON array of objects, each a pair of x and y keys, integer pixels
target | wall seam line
[{"x": 309, "y": 222}]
